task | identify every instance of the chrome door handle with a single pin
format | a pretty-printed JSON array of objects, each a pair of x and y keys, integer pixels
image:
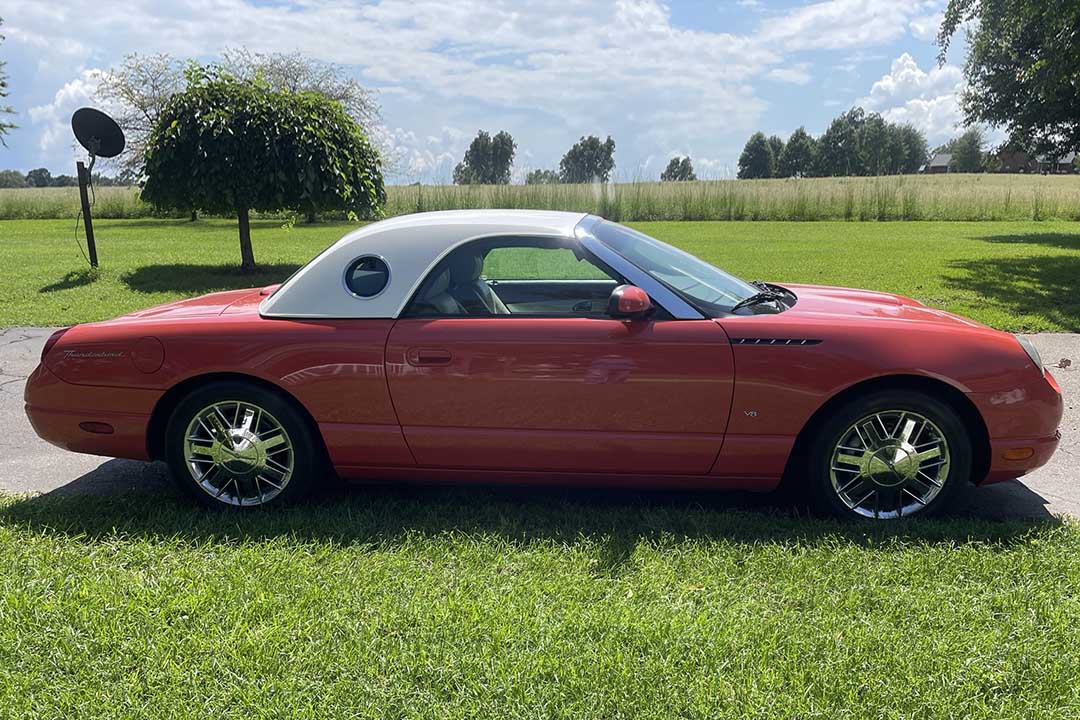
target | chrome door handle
[{"x": 428, "y": 356}]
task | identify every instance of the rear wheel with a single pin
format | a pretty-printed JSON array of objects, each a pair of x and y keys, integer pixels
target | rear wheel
[
  {"x": 890, "y": 455},
  {"x": 231, "y": 444}
]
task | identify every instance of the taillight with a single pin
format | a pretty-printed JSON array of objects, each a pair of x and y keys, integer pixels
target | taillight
[{"x": 52, "y": 341}]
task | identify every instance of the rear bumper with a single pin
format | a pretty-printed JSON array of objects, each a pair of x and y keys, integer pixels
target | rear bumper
[{"x": 60, "y": 412}]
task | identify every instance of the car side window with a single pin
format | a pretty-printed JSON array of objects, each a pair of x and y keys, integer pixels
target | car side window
[
  {"x": 532, "y": 263},
  {"x": 515, "y": 277}
]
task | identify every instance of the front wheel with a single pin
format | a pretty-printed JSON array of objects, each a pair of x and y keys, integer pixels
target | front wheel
[
  {"x": 236, "y": 445},
  {"x": 890, "y": 455}
]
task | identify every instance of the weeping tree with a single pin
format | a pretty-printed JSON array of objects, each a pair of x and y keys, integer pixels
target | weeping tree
[{"x": 229, "y": 146}]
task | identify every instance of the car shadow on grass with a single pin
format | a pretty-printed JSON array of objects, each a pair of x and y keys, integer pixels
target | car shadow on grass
[
  {"x": 194, "y": 279},
  {"x": 136, "y": 500},
  {"x": 1039, "y": 285}
]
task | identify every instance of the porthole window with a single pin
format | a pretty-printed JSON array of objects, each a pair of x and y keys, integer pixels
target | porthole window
[{"x": 367, "y": 276}]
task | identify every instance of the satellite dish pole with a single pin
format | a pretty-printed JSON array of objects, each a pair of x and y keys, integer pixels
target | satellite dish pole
[{"x": 101, "y": 136}]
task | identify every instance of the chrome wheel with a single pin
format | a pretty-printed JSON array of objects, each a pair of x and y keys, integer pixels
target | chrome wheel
[
  {"x": 238, "y": 453},
  {"x": 890, "y": 464}
]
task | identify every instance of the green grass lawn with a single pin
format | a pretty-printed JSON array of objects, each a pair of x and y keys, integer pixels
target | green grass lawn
[
  {"x": 1018, "y": 276},
  {"x": 491, "y": 604},
  {"x": 472, "y": 603}
]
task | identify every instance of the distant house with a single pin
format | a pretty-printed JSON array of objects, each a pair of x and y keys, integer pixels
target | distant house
[
  {"x": 1064, "y": 164},
  {"x": 939, "y": 163},
  {"x": 1016, "y": 161}
]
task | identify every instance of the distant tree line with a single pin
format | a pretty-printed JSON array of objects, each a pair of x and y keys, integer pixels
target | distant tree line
[
  {"x": 41, "y": 177},
  {"x": 855, "y": 143},
  {"x": 488, "y": 161}
]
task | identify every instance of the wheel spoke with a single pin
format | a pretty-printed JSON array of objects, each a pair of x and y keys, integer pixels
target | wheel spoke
[
  {"x": 271, "y": 442},
  {"x": 202, "y": 450},
  {"x": 269, "y": 482},
  {"x": 849, "y": 459},
  {"x": 855, "y": 484},
  {"x": 914, "y": 497},
  {"x": 909, "y": 427},
  {"x": 219, "y": 432},
  {"x": 275, "y": 466},
  {"x": 865, "y": 497},
  {"x": 249, "y": 417},
  {"x": 871, "y": 435},
  {"x": 928, "y": 454},
  {"x": 936, "y": 483}
]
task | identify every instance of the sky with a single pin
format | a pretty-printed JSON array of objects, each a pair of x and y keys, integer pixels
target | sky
[{"x": 662, "y": 78}]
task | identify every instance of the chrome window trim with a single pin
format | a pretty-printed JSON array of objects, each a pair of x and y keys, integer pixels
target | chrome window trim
[
  {"x": 358, "y": 258},
  {"x": 661, "y": 294}
]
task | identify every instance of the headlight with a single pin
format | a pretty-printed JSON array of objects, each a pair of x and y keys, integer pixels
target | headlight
[{"x": 1029, "y": 348}]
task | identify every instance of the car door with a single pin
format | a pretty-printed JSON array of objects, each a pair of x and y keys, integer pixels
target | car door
[{"x": 542, "y": 379}]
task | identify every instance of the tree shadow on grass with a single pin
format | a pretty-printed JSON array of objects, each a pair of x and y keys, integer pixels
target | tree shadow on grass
[
  {"x": 194, "y": 279},
  {"x": 74, "y": 279},
  {"x": 106, "y": 503},
  {"x": 1067, "y": 241},
  {"x": 1043, "y": 285},
  {"x": 208, "y": 224}
]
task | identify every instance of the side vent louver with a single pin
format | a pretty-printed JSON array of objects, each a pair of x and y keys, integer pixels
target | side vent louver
[{"x": 773, "y": 341}]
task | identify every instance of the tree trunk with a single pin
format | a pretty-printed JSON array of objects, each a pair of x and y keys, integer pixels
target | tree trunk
[
  {"x": 247, "y": 257},
  {"x": 194, "y": 215},
  {"x": 311, "y": 218}
]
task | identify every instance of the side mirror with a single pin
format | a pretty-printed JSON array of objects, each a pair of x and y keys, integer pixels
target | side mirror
[{"x": 629, "y": 302}]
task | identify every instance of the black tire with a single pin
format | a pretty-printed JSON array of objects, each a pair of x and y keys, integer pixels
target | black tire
[
  {"x": 839, "y": 427},
  {"x": 304, "y": 456}
]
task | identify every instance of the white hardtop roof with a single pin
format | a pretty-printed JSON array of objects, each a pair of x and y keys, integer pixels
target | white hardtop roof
[{"x": 410, "y": 245}]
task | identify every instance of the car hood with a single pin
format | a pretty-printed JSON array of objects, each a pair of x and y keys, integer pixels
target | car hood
[{"x": 823, "y": 300}]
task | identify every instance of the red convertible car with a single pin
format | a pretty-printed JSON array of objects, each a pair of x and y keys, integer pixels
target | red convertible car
[{"x": 522, "y": 346}]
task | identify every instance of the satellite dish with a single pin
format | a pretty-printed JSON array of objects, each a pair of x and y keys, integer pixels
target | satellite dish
[
  {"x": 102, "y": 137},
  {"x": 98, "y": 133}
]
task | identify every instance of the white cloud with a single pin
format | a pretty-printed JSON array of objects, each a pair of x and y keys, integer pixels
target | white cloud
[
  {"x": 547, "y": 70},
  {"x": 410, "y": 158},
  {"x": 929, "y": 100},
  {"x": 925, "y": 27},
  {"x": 54, "y": 118},
  {"x": 798, "y": 74},
  {"x": 836, "y": 24}
]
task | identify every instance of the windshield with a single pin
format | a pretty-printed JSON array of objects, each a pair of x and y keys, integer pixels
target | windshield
[{"x": 705, "y": 286}]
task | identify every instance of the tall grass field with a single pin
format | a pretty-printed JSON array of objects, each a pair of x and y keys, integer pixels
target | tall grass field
[{"x": 908, "y": 197}]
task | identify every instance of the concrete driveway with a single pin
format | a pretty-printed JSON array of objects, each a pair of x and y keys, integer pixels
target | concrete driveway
[{"x": 30, "y": 465}]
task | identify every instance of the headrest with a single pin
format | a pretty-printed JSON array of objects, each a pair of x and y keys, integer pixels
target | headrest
[{"x": 465, "y": 269}]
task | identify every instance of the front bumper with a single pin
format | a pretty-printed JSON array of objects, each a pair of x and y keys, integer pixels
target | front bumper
[
  {"x": 1022, "y": 421},
  {"x": 60, "y": 412},
  {"x": 1002, "y": 468}
]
